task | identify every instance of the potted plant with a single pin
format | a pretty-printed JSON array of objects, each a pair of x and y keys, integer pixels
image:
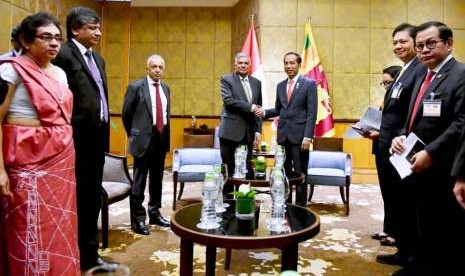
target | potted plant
[{"x": 245, "y": 202}]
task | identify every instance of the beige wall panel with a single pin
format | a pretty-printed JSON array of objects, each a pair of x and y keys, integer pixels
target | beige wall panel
[
  {"x": 351, "y": 95},
  {"x": 171, "y": 25},
  {"x": 377, "y": 91},
  {"x": 144, "y": 27},
  {"x": 177, "y": 96},
  {"x": 113, "y": 59},
  {"x": 115, "y": 92},
  {"x": 199, "y": 60},
  {"x": 459, "y": 45},
  {"x": 420, "y": 11},
  {"x": 351, "y": 51},
  {"x": 201, "y": 25},
  {"x": 276, "y": 41},
  {"x": 138, "y": 54},
  {"x": 270, "y": 84},
  {"x": 17, "y": 15},
  {"x": 321, "y": 12},
  {"x": 175, "y": 58},
  {"x": 388, "y": 14},
  {"x": 278, "y": 12},
  {"x": 199, "y": 96},
  {"x": 114, "y": 24},
  {"x": 5, "y": 22},
  {"x": 23, "y": 4},
  {"x": 381, "y": 50},
  {"x": 217, "y": 99},
  {"x": 350, "y": 14},
  {"x": 222, "y": 59},
  {"x": 222, "y": 25},
  {"x": 454, "y": 13}
]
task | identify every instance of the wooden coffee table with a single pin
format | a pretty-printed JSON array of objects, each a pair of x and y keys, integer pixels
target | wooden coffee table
[{"x": 242, "y": 234}]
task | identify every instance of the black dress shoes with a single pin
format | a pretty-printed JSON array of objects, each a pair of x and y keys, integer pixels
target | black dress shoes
[
  {"x": 391, "y": 259},
  {"x": 160, "y": 221},
  {"x": 140, "y": 228}
]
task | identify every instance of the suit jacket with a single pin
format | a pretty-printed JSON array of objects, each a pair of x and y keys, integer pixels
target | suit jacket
[
  {"x": 298, "y": 116},
  {"x": 395, "y": 109},
  {"x": 441, "y": 134},
  {"x": 138, "y": 118},
  {"x": 237, "y": 118},
  {"x": 86, "y": 103}
]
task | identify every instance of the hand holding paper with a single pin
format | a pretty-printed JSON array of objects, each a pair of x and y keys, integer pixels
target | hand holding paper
[{"x": 409, "y": 155}]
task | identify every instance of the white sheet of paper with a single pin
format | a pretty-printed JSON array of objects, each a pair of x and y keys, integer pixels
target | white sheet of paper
[{"x": 400, "y": 161}]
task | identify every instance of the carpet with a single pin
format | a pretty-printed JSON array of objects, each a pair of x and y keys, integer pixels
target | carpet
[{"x": 343, "y": 246}]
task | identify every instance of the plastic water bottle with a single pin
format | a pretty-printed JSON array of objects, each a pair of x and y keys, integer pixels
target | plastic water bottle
[
  {"x": 219, "y": 206},
  {"x": 209, "y": 195},
  {"x": 274, "y": 144},
  {"x": 278, "y": 196},
  {"x": 279, "y": 157},
  {"x": 244, "y": 161},
  {"x": 238, "y": 164}
]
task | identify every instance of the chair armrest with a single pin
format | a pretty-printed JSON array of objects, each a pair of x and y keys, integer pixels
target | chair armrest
[
  {"x": 348, "y": 167},
  {"x": 176, "y": 160}
]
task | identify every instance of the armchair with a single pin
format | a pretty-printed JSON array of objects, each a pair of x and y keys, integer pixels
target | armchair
[
  {"x": 190, "y": 165},
  {"x": 116, "y": 186},
  {"x": 330, "y": 168}
]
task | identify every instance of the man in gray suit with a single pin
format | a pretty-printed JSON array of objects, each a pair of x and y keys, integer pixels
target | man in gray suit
[
  {"x": 296, "y": 106},
  {"x": 146, "y": 111},
  {"x": 242, "y": 96}
]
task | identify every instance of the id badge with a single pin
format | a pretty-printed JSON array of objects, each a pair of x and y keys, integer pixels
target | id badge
[
  {"x": 432, "y": 108},
  {"x": 396, "y": 90}
]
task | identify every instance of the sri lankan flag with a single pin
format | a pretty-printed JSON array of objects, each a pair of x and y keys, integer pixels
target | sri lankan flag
[{"x": 311, "y": 67}]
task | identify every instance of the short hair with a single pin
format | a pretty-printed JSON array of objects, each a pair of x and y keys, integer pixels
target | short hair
[
  {"x": 15, "y": 32},
  {"x": 241, "y": 55},
  {"x": 78, "y": 17},
  {"x": 299, "y": 58},
  {"x": 392, "y": 71},
  {"x": 444, "y": 31},
  {"x": 155, "y": 56},
  {"x": 29, "y": 25},
  {"x": 405, "y": 27}
]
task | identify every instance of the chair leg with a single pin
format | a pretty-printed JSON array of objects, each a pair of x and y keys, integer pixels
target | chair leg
[
  {"x": 227, "y": 259},
  {"x": 104, "y": 223},
  {"x": 347, "y": 200},
  {"x": 310, "y": 195},
  {"x": 181, "y": 190},
  {"x": 341, "y": 191},
  {"x": 175, "y": 188}
]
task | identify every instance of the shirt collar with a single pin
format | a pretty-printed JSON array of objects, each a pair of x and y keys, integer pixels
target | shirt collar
[
  {"x": 82, "y": 48},
  {"x": 150, "y": 81},
  {"x": 295, "y": 78},
  {"x": 246, "y": 78},
  {"x": 440, "y": 65}
]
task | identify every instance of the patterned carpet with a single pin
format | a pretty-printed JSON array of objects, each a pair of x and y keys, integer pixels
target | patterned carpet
[{"x": 343, "y": 246}]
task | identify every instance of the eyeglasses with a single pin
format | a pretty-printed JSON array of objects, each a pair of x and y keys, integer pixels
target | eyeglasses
[
  {"x": 386, "y": 83},
  {"x": 430, "y": 44},
  {"x": 48, "y": 38}
]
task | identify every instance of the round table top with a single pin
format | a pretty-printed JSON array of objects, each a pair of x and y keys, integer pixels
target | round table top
[{"x": 236, "y": 233}]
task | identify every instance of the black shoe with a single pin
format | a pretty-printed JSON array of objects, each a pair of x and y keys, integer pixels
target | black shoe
[
  {"x": 104, "y": 266},
  {"x": 391, "y": 259},
  {"x": 406, "y": 271},
  {"x": 160, "y": 221},
  {"x": 140, "y": 228}
]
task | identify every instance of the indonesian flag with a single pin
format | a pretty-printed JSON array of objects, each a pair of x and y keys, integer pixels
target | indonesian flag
[
  {"x": 311, "y": 67},
  {"x": 250, "y": 47}
]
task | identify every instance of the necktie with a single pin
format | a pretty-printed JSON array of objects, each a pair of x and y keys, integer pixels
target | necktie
[
  {"x": 421, "y": 94},
  {"x": 289, "y": 89},
  {"x": 159, "y": 109},
  {"x": 98, "y": 79},
  {"x": 246, "y": 89}
]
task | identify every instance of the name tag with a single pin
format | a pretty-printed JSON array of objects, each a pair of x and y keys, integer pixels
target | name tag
[
  {"x": 432, "y": 108},
  {"x": 396, "y": 90}
]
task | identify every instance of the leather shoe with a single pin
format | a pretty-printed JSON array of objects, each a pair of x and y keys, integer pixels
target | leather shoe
[
  {"x": 103, "y": 266},
  {"x": 406, "y": 271},
  {"x": 160, "y": 221},
  {"x": 391, "y": 259},
  {"x": 140, "y": 228}
]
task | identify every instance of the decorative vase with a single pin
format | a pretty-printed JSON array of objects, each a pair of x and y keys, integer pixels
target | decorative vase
[{"x": 245, "y": 207}]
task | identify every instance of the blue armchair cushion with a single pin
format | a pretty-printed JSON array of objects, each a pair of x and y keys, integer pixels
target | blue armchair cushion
[
  {"x": 193, "y": 173},
  {"x": 326, "y": 176}
]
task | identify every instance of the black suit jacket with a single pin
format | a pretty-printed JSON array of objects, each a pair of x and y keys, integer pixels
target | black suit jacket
[
  {"x": 237, "y": 118},
  {"x": 138, "y": 118},
  {"x": 395, "y": 109},
  {"x": 298, "y": 116},
  {"x": 441, "y": 134},
  {"x": 86, "y": 103}
]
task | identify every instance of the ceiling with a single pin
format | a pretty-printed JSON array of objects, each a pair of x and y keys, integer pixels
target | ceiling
[{"x": 183, "y": 3}]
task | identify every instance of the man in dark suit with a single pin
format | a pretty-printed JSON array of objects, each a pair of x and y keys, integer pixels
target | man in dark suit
[
  {"x": 85, "y": 71},
  {"x": 296, "y": 106},
  {"x": 146, "y": 112},
  {"x": 242, "y": 96},
  {"x": 398, "y": 212},
  {"x": 436, "y": 115}
]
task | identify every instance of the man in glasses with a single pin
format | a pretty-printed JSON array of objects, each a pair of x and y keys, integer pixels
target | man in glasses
[{"x": 436, "y": 116}]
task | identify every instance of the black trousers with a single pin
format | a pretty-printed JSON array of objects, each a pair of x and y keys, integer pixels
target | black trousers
[
  {"x": 227, "y": 149},
  {"x": 90, "y": 157},
  {"x": 152, "y": 163},
  {"x": 297, "y": 160}
]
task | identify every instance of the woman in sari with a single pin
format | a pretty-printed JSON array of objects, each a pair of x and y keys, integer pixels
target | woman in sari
[{"x": 37, "y": 182}]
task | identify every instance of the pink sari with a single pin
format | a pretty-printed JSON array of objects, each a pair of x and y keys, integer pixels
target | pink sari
[{"x": 39, "y": 223}]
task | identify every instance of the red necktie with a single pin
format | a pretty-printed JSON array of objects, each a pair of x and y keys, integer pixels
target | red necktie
[
  {"x": 421, "y": 94},
  {"x": 289, "y": 89},
  {"x": 159, "y": 116}
]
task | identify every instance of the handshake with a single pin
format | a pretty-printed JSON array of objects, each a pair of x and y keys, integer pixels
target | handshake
[{"x": 258, "y": 111}]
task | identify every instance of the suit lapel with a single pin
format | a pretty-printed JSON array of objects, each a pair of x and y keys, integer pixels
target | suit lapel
[
  {"x": 146, "y": 95},
  {"x": 238, "y": 81},
  {"x": 77, "y": 54},
  {"x": 298, "y": 84}
]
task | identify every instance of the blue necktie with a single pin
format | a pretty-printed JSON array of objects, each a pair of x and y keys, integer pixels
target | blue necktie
[{"x": 98, "y": 79}]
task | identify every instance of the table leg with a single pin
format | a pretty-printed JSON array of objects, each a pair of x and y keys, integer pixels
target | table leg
[
  {"x": 210, "y": 261},
  {"x": 289, "y": 257},
  {"x": 187, "y": 252}
]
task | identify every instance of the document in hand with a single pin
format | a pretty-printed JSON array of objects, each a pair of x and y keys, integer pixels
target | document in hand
[
  {"x": 371, "y": 120},
  {"x": 403, "y": 162}
]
